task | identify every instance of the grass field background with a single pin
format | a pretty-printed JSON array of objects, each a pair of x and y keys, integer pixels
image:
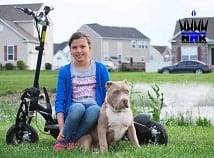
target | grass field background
[
  {"x": 184, "y": 141},
  {"x": 17, "y": 81}
]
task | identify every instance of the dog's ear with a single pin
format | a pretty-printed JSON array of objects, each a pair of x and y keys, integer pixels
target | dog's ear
[
  {"x": 125, "y": 81},
  {"x": 108, "y": 84}
]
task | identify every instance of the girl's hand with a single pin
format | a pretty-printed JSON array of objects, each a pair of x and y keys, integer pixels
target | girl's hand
[{"x": 60, "y": 136}]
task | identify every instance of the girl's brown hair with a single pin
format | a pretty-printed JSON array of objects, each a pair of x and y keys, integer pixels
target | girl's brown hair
[{"x": 78, "y": 35}]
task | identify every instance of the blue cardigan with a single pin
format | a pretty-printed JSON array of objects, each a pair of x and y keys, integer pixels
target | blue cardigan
[{"x": 64, "y": 87}]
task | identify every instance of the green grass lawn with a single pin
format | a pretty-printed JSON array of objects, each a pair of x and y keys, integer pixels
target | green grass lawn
[
  {"x": 184, "y": 142},
  {"x": 17, "y": 81}
]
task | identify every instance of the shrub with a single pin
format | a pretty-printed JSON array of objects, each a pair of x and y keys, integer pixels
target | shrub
[
  {"x": 202, "y": 121},
  {"x": 1, "y": 66},
  {"x": 21, "y": 65},
  {"x": 48, "y": 66},
  {"x": 148, "y": 103},
  {"x": 9, "y": 66},
  {"x": 185, "y": 119},
  {"x": 156, "y": 102}
]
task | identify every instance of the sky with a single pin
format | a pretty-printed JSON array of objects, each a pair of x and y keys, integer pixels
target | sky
[{"x": 154, "y": 18}]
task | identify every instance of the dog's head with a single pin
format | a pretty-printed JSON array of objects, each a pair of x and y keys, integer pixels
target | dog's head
[{"x": 118, "y": 94}]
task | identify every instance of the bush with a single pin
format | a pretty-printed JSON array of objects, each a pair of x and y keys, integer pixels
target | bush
[
  {"x": 152, "y": 103},
  {"x": 48, "y": 66},
  {"x": 1, "y": 66},
  {"x": 21, "y": 65},
  {"x": 156, "y": 102},
  {"x": 203, "y": 121},
  {"x": 9, "y": 66}
]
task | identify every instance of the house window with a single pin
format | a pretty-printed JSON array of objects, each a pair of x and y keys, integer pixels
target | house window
[
  {"x": 189, "y": 53},
  {"x": 166, "y": 57},
  {"x": 193, "y": 57},
  {"x": 139, "y": 44},
  {"x": 142, "y": 59},
  {"x": 119, "y": 58},
  {"x": 59, "y": 58},
  {"x": 10, "y": 52},
  {"x": 146, "y": 44},
  {"x": 185, "y": 57},
  {"x": 151, "y": 57},
  {"x": 133, "y": 44},
  {"x": 105, "y": 58}
]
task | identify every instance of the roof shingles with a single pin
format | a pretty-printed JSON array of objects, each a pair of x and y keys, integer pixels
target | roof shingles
[
  {"x": 117, "y": 32},
  {"x": 8, "y": 12},
  {"x": 11, "y": 16}
]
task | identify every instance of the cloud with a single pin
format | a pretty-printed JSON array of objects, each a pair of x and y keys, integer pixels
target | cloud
[{"x": 119, "y": 4}]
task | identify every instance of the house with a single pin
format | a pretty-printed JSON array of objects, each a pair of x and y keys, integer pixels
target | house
[
  {"x": 158, "y": 56},
  {"x": 164, "y": 51},
  {"x": 124, "y": 45},
  {"x": 61, "y": 55},
  {"x": 19, "y": 36},
  {"x": 193, "y": 38}
]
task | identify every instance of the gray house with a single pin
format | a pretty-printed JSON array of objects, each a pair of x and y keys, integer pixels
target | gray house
[
  {"x": 125, "y": 45},
  {"x": 18, "y": 36},
  {"x": 190, "y": 47}
]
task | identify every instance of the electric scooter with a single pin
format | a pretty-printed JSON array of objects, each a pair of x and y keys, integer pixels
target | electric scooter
[
  {"x": 22, "y": 130},
  {"x": 148, "y": 131}
]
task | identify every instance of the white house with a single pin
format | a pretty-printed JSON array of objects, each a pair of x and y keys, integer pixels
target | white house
[
  {"x": 18, "y": 36},
  {"x": 159, "y": 56},
  {"x": 61, "y": 57}
]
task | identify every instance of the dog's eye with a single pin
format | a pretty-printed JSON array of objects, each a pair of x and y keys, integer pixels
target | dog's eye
[
  {"x": 126, "y": 91},
  {"x": 117, "y": 92}
]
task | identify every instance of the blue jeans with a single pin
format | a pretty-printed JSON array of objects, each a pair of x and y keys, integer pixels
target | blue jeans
[{"x": 80, "y": 120}]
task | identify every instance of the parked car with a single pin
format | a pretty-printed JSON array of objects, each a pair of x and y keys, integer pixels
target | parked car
[
  {"x": 110, "y": 65},
  {"x": 189, "y": 66}
]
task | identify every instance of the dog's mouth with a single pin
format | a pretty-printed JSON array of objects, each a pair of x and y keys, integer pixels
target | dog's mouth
[{"x": 119, "y": 105}]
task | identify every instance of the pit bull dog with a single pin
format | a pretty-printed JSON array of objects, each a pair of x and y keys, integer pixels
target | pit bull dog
[{"x": 115, "y": 120}]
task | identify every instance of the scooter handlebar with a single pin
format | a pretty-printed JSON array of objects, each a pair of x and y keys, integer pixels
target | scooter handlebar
[
  {"x": 26, "y": 10},
  {"x": 47, "y": 9},
  {"x": 29, "y": 11}
]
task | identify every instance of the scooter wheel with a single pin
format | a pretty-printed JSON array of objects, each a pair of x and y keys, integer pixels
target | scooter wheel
[
  {"x": 17, "y": 135},
  {"x": 161, "y": 136},
  {"x": 151, "y": 133}
]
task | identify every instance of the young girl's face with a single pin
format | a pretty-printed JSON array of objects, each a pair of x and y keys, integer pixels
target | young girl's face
[{"x": 80, "y": 49}]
